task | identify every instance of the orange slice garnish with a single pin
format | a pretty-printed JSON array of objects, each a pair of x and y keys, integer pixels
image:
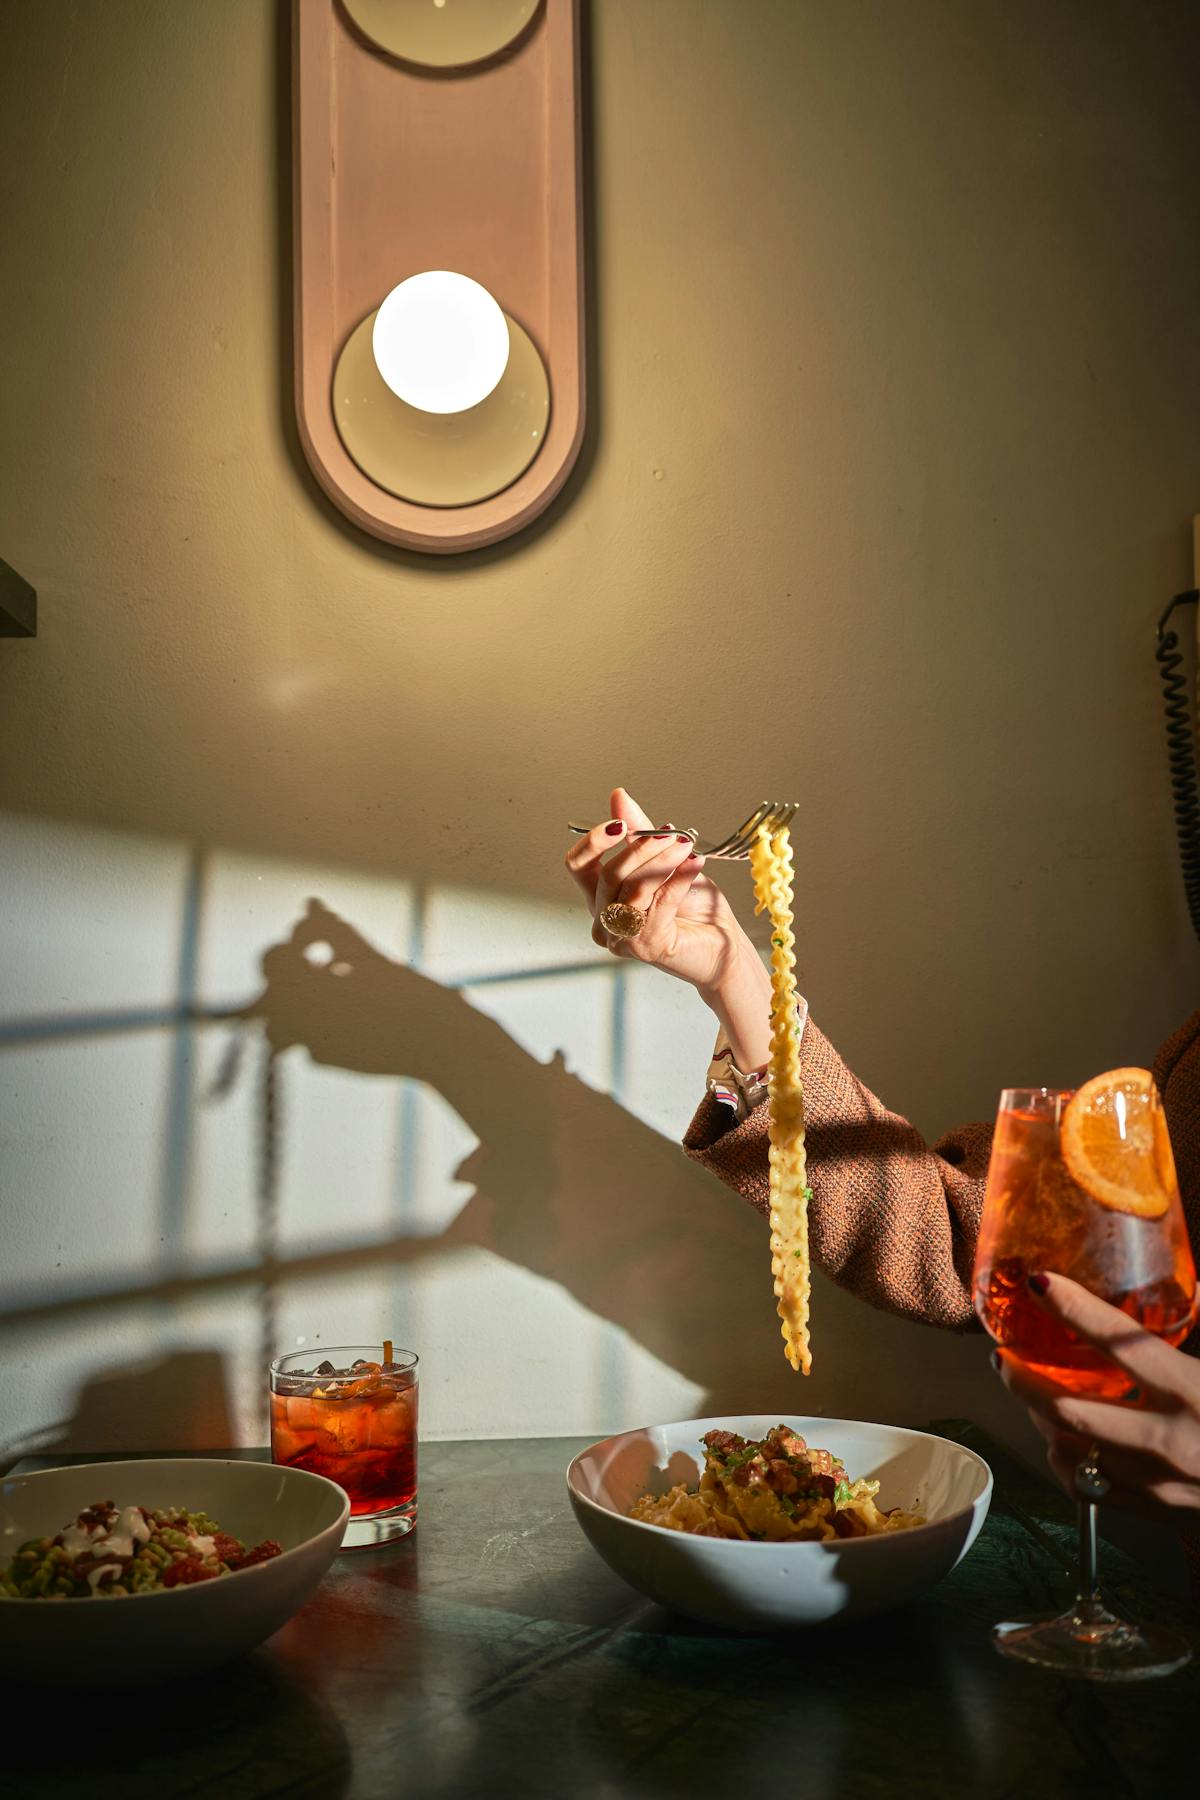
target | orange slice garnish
[{"x": 1115, "y": 1143}]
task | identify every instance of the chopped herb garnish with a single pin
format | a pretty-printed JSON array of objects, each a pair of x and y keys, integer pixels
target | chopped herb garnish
[
  {"x": 739, "y": 1459},
  {"x": 842, "y": 1494}
]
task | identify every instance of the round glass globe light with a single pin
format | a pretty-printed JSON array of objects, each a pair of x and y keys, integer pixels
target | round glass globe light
[{"x": 440, "y": 341}]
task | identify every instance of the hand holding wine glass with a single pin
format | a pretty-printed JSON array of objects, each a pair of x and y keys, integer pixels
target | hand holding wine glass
[
  {"x": 1149, "y": 1450},
  {"x": 1082, "y": 1185}
]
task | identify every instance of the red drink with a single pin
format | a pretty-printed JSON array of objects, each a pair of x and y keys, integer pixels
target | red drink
[
  {"x": 1037, "y": 1216},
  {"x": 354, "y": 1420},
  {"x": 1083, "y": 1184}
]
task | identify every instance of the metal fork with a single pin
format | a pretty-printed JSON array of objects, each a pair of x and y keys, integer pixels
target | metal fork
[{"x": 769, "y": 815}]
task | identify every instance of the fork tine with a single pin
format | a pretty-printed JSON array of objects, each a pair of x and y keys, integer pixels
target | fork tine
[
  {"x": 745, "y": 840},
  {"x": 785, "y": 812},
  {"x": 779, "y": 815},
  {"x": 729, "y": 847},
  {"x": 736, "y": 843}
]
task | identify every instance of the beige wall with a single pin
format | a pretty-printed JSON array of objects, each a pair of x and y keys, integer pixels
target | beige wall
[{"x": 891, "y": 462}]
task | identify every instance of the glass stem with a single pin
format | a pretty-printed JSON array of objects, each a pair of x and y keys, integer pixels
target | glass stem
[
  {"x": 1090, "y": 1487},
  {"x": 1089, "y": 1598}
]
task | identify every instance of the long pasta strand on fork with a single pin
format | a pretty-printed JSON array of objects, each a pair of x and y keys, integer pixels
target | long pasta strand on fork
[{"x": 771, "y": 866}]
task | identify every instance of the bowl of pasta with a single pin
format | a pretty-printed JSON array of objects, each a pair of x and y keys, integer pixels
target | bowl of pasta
[
  {"x": 125, "y": 1573},
  {"x": 764, "y": 1524}
]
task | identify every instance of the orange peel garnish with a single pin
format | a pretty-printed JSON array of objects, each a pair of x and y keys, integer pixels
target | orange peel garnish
[{"x": 1115, "y": 1144}]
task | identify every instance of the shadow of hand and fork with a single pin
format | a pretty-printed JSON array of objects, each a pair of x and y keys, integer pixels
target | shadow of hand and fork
[{"x": 567, "y": 1183}]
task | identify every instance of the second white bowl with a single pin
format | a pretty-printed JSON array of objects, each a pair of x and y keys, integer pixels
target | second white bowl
[
  {"x": 771, "y": 1587},
  {"x": 171, "y": 1631}
]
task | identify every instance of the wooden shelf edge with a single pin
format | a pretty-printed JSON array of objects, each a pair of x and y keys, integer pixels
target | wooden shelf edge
[{"x": 18, "y": 604}]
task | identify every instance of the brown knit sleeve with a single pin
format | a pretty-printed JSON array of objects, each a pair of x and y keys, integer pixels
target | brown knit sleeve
[{"x": 890, "y": 1218}]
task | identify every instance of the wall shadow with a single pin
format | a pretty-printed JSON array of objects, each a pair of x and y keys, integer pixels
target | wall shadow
[
  {"x": 574, "y": 1188},
  {"x": 139, "y": 1406},
  {"x": 566, "y": 1184}
]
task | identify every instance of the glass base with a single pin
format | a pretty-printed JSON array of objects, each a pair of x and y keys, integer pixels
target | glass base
[
  {"x": 1092, "y": 1643},
  {"x": 380, "y": 1528}
]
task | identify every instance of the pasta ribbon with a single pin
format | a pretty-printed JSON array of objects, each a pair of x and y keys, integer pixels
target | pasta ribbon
[{"x": 771, "y": 866}]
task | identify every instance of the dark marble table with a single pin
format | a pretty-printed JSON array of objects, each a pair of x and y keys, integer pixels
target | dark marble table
[{"x": 493, "y": 1654}]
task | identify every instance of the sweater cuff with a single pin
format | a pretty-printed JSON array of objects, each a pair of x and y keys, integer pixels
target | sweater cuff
[{"x": 732, "y": 1149}]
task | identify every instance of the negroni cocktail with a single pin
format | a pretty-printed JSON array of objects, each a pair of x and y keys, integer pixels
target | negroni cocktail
[{"x": 353, "y": 1418}]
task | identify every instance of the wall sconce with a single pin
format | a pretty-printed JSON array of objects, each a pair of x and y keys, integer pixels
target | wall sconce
[{"x": 438, "y": 261}]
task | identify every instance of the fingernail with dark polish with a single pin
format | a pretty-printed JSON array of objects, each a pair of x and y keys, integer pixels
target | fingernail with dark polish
[
  {"x": 684, "y": 838},
  {"x": 1039, "y": 1283},
  {"x": 615, "y": 829},
  {"x": 662, "y": 834}
]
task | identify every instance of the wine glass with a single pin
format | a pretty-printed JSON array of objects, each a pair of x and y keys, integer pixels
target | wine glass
[{"x": 1083, "y": 1184}]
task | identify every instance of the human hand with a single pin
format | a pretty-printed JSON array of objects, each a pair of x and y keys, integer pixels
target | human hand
[
  {"x": 690, "y": 930},
  {"x": 1149, "y": 1446}
]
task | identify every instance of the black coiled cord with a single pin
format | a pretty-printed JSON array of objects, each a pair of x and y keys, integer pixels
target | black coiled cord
[{"x": 1181, "y": 753}]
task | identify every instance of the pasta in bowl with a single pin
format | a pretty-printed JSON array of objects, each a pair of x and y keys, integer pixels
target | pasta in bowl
[
  {"x": 774, "y": 1489},
  {"x": 664, "y": 1510},
  {"x": 140, "y": 1589}
]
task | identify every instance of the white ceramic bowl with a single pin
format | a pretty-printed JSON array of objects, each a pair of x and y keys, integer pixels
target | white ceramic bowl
[
  {"x": 173, "y": 1631},
  {"x": 772, "y": 1587}
]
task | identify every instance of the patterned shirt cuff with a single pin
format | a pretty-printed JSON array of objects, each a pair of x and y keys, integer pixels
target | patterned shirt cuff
[{"x": 743, "y": 1091}]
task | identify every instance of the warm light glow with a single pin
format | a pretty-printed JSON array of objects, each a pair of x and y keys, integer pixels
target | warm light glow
[{"x": 440, "y": 341}]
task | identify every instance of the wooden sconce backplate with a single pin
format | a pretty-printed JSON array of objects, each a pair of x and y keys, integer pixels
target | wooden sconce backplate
[{"x": 400, "y": 169}]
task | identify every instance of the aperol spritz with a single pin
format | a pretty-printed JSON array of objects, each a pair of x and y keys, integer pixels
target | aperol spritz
[
  {"x": 1123, "y": 1236},
  {"x": 1082, "y": 1183}
]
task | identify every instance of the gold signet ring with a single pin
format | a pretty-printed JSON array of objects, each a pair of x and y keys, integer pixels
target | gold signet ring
[{"x": 621, "y": 921}]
